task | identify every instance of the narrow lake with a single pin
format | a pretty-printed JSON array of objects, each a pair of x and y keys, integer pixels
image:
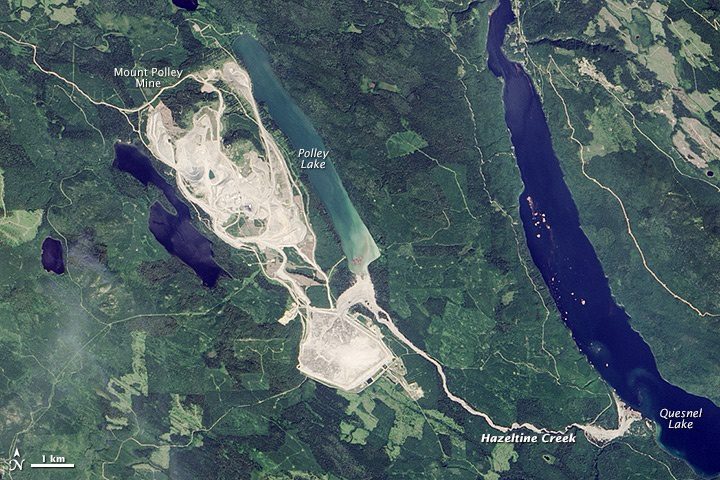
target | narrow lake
[
  {"x": 174, "y": 231},
  {"x": 356, "y": 241},
  {"x": 575, "y": 277}
]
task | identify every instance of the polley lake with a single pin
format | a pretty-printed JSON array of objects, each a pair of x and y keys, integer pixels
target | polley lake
[
  {"x": 356, "y": 241},
  {"x": 575, "y": 277}
]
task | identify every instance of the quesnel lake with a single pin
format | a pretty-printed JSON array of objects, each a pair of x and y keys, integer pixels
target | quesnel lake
[{"x": 576, "y": 280}]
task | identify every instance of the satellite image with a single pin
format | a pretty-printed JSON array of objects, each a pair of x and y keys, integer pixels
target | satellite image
[{"x": 360, "y": 239}]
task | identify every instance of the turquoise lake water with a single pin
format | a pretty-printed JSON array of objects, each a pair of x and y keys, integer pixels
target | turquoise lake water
[{"x": 357, "y": 243}]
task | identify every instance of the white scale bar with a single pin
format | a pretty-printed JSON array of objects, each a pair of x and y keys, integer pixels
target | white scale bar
[{"x": 52, "y": 465}]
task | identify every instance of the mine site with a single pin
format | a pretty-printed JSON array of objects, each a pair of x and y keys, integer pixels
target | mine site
[{"x": 253, "y": 203}]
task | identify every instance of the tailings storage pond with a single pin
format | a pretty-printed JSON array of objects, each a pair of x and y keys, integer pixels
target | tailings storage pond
[{"x": 575, "y": 277}]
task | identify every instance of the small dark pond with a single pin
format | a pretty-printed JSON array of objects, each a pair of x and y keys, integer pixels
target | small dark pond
[
  {"x": 52, "y": 256},
  {"x": 190, "y": 5}
]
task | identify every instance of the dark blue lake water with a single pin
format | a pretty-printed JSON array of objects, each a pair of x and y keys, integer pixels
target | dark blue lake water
[
  {"x": 357, "y": 243},
  {"x": 575, "y": 277},
  {"x": 186, "y": 4},
  {"x": 52, "y": 256},
  {"x": 174, "y": 231}
]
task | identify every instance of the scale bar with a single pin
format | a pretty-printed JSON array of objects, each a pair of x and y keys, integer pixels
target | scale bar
[{"x": 52, "y": 465}]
